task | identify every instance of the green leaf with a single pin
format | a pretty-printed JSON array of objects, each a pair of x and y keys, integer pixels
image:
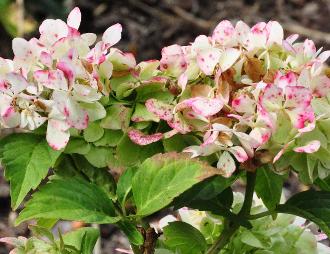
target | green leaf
[
  {"x": 110, "y": 138},
  {"x": 70, "y": 199},
  {"x": 311, "y": 205},
  {"x": 324, "y": 184},
  {"x": 184, "y": 238},
  {"x": 83, "y": 239},
  {"x": 27, "y": 159},
  {"x": 118, "y": 117},
  {"x": 124, "y": 185},
  {"x": 100, "y": 156},
  {"x": 93, "y": 132},
  {"x": 163, "y": 177},
  {"x": 283, "y": 127},
  {"x": 155, "y": 91},
  {"x": 77, "y": 145},
  {"x": 141, "y": 114},
  {"x": 255, "y": 239},
  {"x": 178, "y": 142},
  {"x": 205, "y": 190},
  {"x": 100, "y": 176},
  {"x": 305, "y": 165},
  {"x": 269, "y": 187},
  {"x": 134, "y": 236}
]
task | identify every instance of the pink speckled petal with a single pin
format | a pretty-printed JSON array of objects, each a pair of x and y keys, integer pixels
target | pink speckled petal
[
  {"x": 160, "y": 109},
  {"x": 284, "y": 80},
  {"x": 52, "y": 79},
  {"x": 224, "y": 32},
  {"x": 142, "y": 139},
  {"x": 310, "y": 147},
  {"x": 203, "y": 106},
  {"x": 207, "y": 60}
]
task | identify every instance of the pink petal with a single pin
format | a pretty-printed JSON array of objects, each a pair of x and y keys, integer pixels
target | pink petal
[
  {"x": 160, "y": 109},
  {"x": 202, "y": 106},
  {"x": 173, "y": 60},
  {"x": 52, "y": 79},
  {"x": 182, "y": 81},
  {"x": 97, "y": 54},
  {"x": 281, "y": 152},
  {"x": 207, "y": 60},
  {"x": 75, "y": 115},
  {"x": 46, "y": 59},
  {"x": 309, "y": 48},
  {"x": 68, "y": 69},
  {"x": 292, "y": 38},
  {"x": 310, "y": 147},
  {"x": 143, "y": 139},
  {"x": 298, "y": 104},
  {"x": 10, "y": 117},
  {"x": 239, "y": 153},
  {"x": 262, "y": 135},
  {"x": 284, "y": 80},
  {"x": 223, "y": 33},
  {"x": 243, "y": 104},
  {"x": 322, "y": 87},
  {"x": 272, "y": 98},
  {"x": 57, "y": 134},
  {"x": 74, "y": 18},
  {"x": 259, "y": 28},
  {"x": 210, "y": 137},
  {"x": 121, "y": 60},
  {"x": 242, "y": 31},
  {"x": 179, "y": 124},
  {"x": 113, "y": 34}
]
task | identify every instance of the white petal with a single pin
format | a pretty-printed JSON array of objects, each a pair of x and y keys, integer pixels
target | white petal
[
  {"x": 276, "y": 33},
  {"x": 89, "y": 38},
  {"x": 227, "y": 164},
  {"x": 228, "y": 58},
  {"x": 113, "y": 34},
  {"x": 74, "y": 18},
  {"x": 57, "y": 134},
  {"x": 18, "y": 82}
]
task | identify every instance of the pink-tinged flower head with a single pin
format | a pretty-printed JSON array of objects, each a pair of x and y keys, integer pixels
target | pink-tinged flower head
[
  {"x": 173, "y": 61},
  {"x": 294, "y": 100}
]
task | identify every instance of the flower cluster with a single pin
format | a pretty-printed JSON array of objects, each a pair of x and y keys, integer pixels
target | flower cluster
[
  {"x": 57, "y": 78},
  {"x": 244, "y": 92}
]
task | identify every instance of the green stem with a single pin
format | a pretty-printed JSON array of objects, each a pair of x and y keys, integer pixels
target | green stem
[
  {"x": 230, "y": 227},
  {"x": 248, "y": 199},
  {"x": 260, "y": 215},
  {"x": 224, "y": 238}
]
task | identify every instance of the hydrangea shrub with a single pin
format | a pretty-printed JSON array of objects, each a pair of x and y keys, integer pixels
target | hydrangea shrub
[{"x": 177, "y": 133}]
